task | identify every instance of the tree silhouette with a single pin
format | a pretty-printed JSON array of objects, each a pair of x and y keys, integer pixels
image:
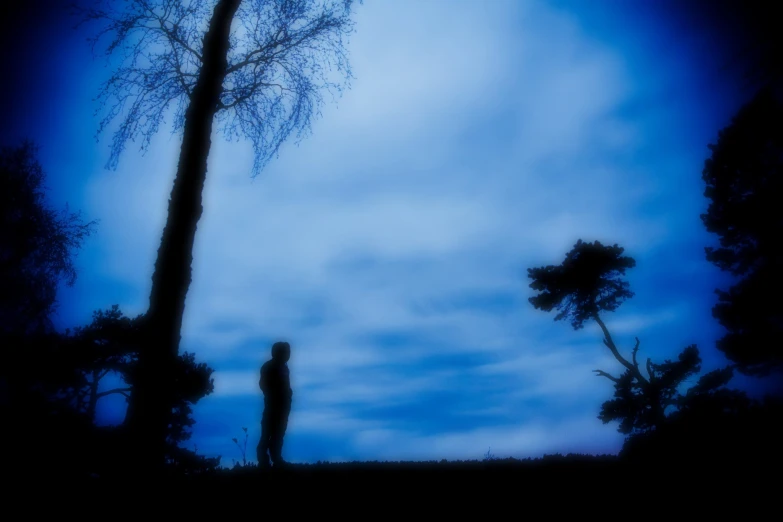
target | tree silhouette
[
  {"x": 65, "y": 373},
  {"x": 590, "y": 281},
  {"x": 111, "y": 343},
  {"x": 640, "y": 403},
  {"x": 744, "y": 183},
  {"x": 37, "y": 248},
  {"x": 259, "y": 71},
  {"x": 37, "y": 243}
]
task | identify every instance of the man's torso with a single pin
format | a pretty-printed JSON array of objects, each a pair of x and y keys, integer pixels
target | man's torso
[{"x": 276, "y": 384}]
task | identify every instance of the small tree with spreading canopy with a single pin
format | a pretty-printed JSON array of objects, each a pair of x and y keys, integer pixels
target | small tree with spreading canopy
[
  {"x": 110, "y": 345},
  {"x": 589, "y": 282}
]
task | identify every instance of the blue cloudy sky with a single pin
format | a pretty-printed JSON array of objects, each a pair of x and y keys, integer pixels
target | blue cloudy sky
[{"x": 479, "y": 138}]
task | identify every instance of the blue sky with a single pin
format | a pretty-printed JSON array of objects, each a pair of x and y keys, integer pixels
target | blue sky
[{"x": 478, "y": 139}]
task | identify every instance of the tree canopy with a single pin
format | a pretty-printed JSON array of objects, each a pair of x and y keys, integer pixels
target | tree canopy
[
  {"x": 744, "y": 181},
  {"x": 283, "y": 56},
  {"x": 37, "y": 243},
  {"x": 588, "y": 281}
]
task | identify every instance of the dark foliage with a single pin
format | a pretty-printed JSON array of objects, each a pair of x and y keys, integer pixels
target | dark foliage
[
  {"x": 192, "y": 382},
  {"x": 43, "y": 430},
  {"x": 54, "y": 387},
  {"x": 744, "y": 178},
  {"x": 723, "y": 426},
  {"x": 111, "y": 344},
  {"x": 567, "y": 483},
  {"x": 184, "y": 462},
  {"x": 640, "y": 405},
  {"x": 588, "y": 281},
  {"x": 107, "y": 345},
  {"x": 37, "y": 243}
]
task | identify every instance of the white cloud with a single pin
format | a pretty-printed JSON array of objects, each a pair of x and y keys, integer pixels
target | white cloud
[
  {"x": 228, "y": 383},
  {"x": 328, "y": 420}
]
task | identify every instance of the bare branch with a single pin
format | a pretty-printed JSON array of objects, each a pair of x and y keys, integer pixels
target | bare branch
[
  {"x": 256, "y": 55},
  {"x": 610, "y": 344},
  {"x": 171, "y": 34},
  {"x": 249, "y": 92},
  {"x": 283, "y": 56},
  {"x": 633, "y": 356},
  {"x": 278, "y": 70},
  {"x": 601, "y": 373},
  {"x": 122, "y": 391},
  {"x": 613, "y": 348},
  {"x": 155, "y": 42}
]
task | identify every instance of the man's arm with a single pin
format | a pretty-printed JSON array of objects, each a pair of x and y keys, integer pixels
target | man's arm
[
  {"x": 263, "y": 380},
  {"x": 287, "y": 385}
]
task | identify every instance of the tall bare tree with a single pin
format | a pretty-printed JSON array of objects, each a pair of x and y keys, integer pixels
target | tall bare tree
[{"x": 257, "y": 68}]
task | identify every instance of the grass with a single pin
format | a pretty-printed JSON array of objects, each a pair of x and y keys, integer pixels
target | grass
[{"x": 546, "y": 487}]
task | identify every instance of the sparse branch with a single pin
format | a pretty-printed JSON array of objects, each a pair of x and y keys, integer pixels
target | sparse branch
[
  {"x": 650, "y": 369},
  {"x": 632, "y": 367},
  {"x": 254, "y": 57},
  {"x": 181, "y": 75},
  {"x": 159, "y": 64},
  {"x": 601, "y": 373},
  {"x": 174, "y": 39},
  {"x": 610, "y": 344},
  {"x": 633, "y": 356},
  {"x": 249, "y": 92},
  {"x": 122, "y": 391},
  {"x": 172, "y": 34},
  {"x": 283, "y": 41},
  {"x": 282, "y": 56},
  {"x": 279, "y": 69}
]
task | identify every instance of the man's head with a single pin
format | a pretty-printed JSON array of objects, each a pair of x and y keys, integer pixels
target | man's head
[{"x": 281, "y": 351}]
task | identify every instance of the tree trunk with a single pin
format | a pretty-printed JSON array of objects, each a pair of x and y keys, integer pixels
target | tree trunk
[
  {"x": 150, "y": 409},
  {"x": 92, "y": 405}
]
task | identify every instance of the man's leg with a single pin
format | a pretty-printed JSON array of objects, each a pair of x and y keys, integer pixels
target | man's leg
[
  {"x": 276, "y": 438},
  {"x": 263, "y": 443}
]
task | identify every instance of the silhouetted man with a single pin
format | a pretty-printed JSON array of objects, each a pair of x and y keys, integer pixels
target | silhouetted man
[{"x": 276, "y": 386}]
